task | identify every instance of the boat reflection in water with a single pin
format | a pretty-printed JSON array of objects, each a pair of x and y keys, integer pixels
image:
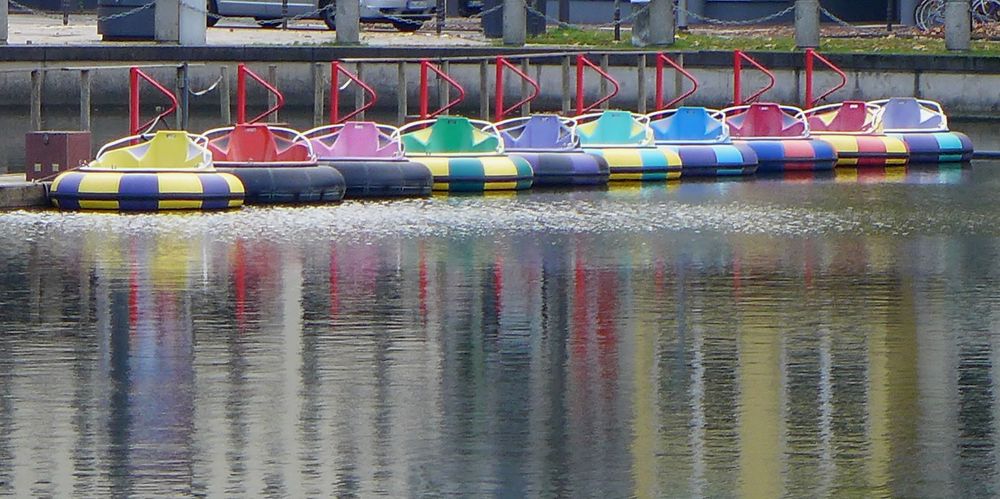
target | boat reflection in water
[{"x": 695, "y": 339}]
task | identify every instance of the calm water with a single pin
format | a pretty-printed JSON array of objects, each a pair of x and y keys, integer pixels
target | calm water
[{"x": 800, "y": 336}]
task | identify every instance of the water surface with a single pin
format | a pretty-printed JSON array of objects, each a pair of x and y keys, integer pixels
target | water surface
[{"x": 808, "y": 335}]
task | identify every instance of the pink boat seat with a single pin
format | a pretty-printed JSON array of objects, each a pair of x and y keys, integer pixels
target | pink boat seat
[
  {"x": 851, "y": 116},
  {"x": 357, "y": 139},
  {"x": 256, "y": 143},
  {"x": 765, "y": 120}
]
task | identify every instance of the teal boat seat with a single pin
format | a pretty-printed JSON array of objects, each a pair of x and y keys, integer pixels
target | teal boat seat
[
  {"x": 613, "y": 127},
  {"x": 450, "y": 135},
  {"x": 688, "y": 124}
]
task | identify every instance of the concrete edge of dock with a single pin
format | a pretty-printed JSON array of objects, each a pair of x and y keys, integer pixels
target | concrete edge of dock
[{"x": 15, "y": 192}]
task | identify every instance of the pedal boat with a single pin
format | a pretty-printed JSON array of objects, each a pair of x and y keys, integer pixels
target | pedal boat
[
  {"x": 625, "y": 141},
  {"x": 275, "y": 164},
  {"x": 370, "y": 158},
  {"x": 549, "y": 143},
  {"x": 700, "y": 137},
  {"x": 464, "y": 155},
  {"x": 923, "y": 126},
  {"x": 780, "y": 137},
  {"x": 168, "y": 170},
  {"x": 854, "y": 128}
]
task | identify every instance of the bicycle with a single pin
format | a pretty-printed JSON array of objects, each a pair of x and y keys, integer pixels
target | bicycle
[{"x": 930, "y": 13}]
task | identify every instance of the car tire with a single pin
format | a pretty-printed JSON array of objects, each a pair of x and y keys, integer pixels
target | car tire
[
  {"x": 330, "y": 16},
  {"x": 407, "y": 26},
  {"x": 211, "y": 18}
]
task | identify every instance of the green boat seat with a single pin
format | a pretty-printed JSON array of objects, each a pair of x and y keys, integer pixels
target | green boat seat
[{"x": 450, "y": 135}]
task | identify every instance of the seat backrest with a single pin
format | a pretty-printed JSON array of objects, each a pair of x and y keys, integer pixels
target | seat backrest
[
  {"x": 612, "y": 127},
  {"x": 765, "y": 120},
  {"x": 908, "y": 113},
  {"x": 850, "y": 116},
  {"x": 356, "y": 139},
  {"x": 688, "y": 124},
  {"x": 541, "y": 131},
  {"x": 257, "y": 143},
  {"x": 168, "y": 149},
  {"x": 449, "y": 135}
]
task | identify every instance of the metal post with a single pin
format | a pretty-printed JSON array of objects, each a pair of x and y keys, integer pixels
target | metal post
[
  {"x": 444, "y": 89},
  {"x": 957, "y": 25},
  {"x": 484, "y": 90},
  {"x": 225, "y": 111},
  {"x": 284, "y": 14},
  {"x": 604, "y": 81},
  {"x": 618, "y": 20},
  {"x": 178, "y": 92},
  {"x": 3, "y": 22},
  {"x": 439, "y": 25},
  {"x": 85, "y": 99},
  {"x": 640, "y": 70},
  {"x": 401, "y": 93},
  {"x": 185, "y": 100},
  {"x": 359, "y": 92},
  {"x": 272, "y": 100},
  {"x": 807, "y": 24},
  {"x": 348, "y": 22},
  {"x": 567, "y": 86},
  {"x": 37, "y": 77},
  {"x": 317, "y": 74},
  {"x": 515, "y": 22},
  {"x": 682, "y": 15},
  {"x": 526, "y": 107}
]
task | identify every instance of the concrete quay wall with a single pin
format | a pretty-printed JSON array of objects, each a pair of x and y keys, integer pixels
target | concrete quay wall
[{"x": 965, "y": 85}]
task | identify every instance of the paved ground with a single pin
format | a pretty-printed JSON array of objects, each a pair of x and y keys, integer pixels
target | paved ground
[{"x": 82, "y": 30}]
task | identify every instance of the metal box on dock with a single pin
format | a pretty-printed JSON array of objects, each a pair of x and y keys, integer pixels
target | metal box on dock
[{"x": 47, "y": 153}]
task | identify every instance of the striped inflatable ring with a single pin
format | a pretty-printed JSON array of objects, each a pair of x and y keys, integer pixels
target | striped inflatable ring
[
  {"x": 134, "y": 191},
  {"x": 868, "y": 150},
  {"x": 289, "y": 184},
  {"x": 477, "y": 173},
  {"x": 640, "y": 163},
  {"x": 566, "y": 168},
  {"x": 701, "y": 160},
  {"x": 937, "y": 147},
  {"x": 792, "y": 154},
  {"x": 369, "y": 178}
]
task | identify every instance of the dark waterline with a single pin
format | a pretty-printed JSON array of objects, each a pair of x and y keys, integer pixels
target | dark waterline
[{"x": 799, "y": 336}]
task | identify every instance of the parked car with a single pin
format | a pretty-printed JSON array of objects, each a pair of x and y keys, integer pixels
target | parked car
[{"x": 404, "y": 15}]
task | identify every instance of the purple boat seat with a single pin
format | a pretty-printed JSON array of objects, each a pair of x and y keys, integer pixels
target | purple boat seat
[
  {"x": 357, "y": 139},
  {"x": 851, "y": 116},
  {"x": 765, "y": 120},
  {"x": 905, "y": 113},
  {"x": 539, "y": 132},
  {"x": 688, "y": 124}
]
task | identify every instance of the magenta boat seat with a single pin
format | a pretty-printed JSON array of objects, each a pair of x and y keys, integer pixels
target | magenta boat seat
[
  {"x": 357, "y": 139},
  {"x": 765, "y": 120},
  {"x": 851, "y": 116}
]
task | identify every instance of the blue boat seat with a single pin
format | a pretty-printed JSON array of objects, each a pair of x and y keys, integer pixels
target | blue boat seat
[
  {"x": 541, "y": 131},
  {"x": 906, "y": 113},
  {"x": 694, "y": 124}
]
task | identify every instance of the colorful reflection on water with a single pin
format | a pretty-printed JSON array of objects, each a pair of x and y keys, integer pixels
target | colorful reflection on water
[{"x": 832, "y": 335}]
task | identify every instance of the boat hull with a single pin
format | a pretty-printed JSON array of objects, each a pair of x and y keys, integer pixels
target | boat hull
[{"x": 145, "y": 191}]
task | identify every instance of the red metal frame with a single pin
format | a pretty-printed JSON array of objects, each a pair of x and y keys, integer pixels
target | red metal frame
[
  {"x": 424, "y": 93},
  {"x": 811, "y": 55},
  {"x": 581, "y": 62},
  {"x": 661, "y": 61},
  {"x": 738, "y": 57},
  {"x": 241, "y": 95},
  {"x": 336, "y": 69},
  {"x": 500, "y": 111},
  {"x": 134, "y": 76}
]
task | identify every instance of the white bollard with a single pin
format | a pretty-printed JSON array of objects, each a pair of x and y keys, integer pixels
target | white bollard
[
  {"x": 515, "y": 23},
  {"x": 3, "y": 22},
  {"x": 807, "y": 24},
  {"x": 957, "y": 25},
  {"x": 348, "y": 20}
]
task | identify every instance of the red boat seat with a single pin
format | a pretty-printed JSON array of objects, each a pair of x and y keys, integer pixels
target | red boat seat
[
  {"x": 851, "y": 116},
  {"x": 765, "y": 120},
  {"x": 256, "y": 143}
]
